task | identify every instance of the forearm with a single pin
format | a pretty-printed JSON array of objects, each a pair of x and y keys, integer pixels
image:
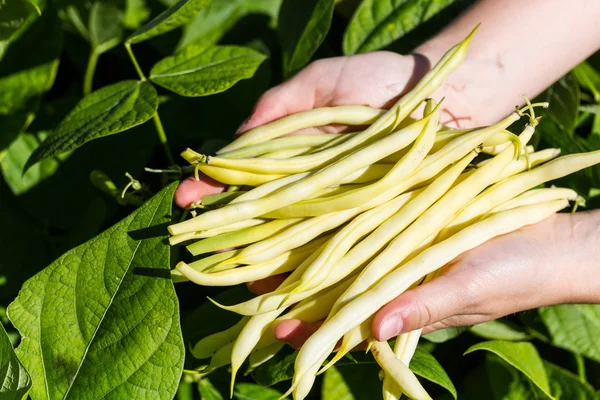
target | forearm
[
  {"x": 522, "y": 47},
  {"x": 577, "y": 238}
]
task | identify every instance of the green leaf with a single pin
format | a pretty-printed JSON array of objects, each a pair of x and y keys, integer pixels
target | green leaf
[
  {"x": 589, "y": 78},
  {"x": 334, "y": 386},
  {"x": 303, "y": 25},
  {"x": 29, "y": 66},
  {"x": 278, "y": 369},
  {"x": 499, "y": 330},
  {"x": 14, "y": 15},
  {"x": 15, "y": 379},
  {"x": 521, "y": 355},
  {"x": 250, "y": 391},
  {"x": 202, "y": 71},
  {"x": 173, "y": 17},
  {"x": 208, "y": 391},
  {"x": 443, "y": 335},
  {"x": 105, "y": 26},
  {"x": 567, "y": 386},
  {"x": 14, "y": 158},
  {"x": 107, "y": 111},
  {"x": 506, "y": 382},
  {"x": 212, "y": 23},
  {"x": 93, "y": 326},
  {"x": 377, "y": 23},
  {"x": 12, "y": 125},
  {"x": 426, "y": 366},
  {"x": 574, "y": 327}
]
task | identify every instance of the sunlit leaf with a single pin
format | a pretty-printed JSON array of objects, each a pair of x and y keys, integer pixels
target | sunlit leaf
[
  {"x": 107, "y": 111},
  {"x": 15, "y": 381},
  {"x": 95, "y": 326},
  {"x": 202, "y": 71}
]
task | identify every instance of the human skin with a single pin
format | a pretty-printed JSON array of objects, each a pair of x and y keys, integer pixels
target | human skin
[{"x": 520, "y": 48}]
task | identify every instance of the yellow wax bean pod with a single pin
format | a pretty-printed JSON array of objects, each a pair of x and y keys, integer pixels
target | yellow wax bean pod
[
  {"x": 535, "y": 196},
  {"x": 234, "y": 177},
  {"x": 268, "y": 188},
  {"x": 241, "y": 237},
  {"x": 284, "y": 143},
  {"x": 353, "y": 338},
  {"x": 209, "y": 345},
  {"x": 287, "y": 153},
  {"x": 402, "y": 170},
  {"x": 404, "y": 349},
  {"x": 230, "y": 227},
  {"x": 369, "y": 173},
  {"x": 221, "y": 358},
  {"x": 431, "y": 166},
  {"x": 319, "y": 345},
  {"x": 207, "y": 264},
  {"x": 347, "y": 115},
  {"x": 292, "y": 193},
  {"x": 283, "y": 263},
  {"x": 511, "y": 187},
  {"x": 257, "y": 325},
  {"x": 396, "y": 370}
]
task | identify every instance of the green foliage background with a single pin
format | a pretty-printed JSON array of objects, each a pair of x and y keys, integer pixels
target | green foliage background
[{"x": 91, "y": 90}]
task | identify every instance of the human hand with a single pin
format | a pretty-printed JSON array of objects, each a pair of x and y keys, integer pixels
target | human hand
[{"x": 552, "y": 262}]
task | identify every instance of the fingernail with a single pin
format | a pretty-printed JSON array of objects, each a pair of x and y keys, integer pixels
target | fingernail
[
  {"x": 242, "y": 126},
  {"x": 390, "y": 327}
]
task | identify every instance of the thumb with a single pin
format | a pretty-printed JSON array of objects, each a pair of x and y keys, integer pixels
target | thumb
[{"x": 421, "y": 306}]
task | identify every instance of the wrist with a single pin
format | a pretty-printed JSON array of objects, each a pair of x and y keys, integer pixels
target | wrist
[{"x": 471, "y": 91}]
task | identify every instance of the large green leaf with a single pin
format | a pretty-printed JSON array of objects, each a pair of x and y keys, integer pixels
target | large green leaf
[
  {"x": 250, "y": 391},
  {"x": 499, "y": 330},
  {"x": 93, "y": 327},
  {"x": 136, "y": 13},
  {"x": 107, "y": 111},
  {"x": 426, "y": 366},
  {"x": 334, "y": 386},
  {"x": 377, "y": 23},
  {"x": 173, "y": 17},
  {"x": 14, "y": 15},
  {"x": 202, "y": 71},
  {"x": 575, "y": 327},
  {"x": 521, "y": 355},
  {"x": 14, "y": 158},
  {"x": 302, "y": 27},
  {"x": 13, "y": 376}
]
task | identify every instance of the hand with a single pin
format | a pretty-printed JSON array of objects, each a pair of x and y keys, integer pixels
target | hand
[
  {"x": 552, "y": 262},
  {"x": 376, "y": 79}
]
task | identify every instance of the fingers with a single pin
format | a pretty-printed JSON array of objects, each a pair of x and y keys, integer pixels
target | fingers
[
  {"x": 419, "y": 307},
  {"x": 191, "y": 190},
  {"x": 295, "y": 332},
  {"x": 266, "y": 285}
]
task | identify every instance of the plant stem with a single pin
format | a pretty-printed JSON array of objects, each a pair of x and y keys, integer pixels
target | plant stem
[
  {"x": 580, "y": 367},
  {"x": 162, "y": 136},
  {"x": 134, "y": 61},
  {"x": 89, "y": 72}
]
